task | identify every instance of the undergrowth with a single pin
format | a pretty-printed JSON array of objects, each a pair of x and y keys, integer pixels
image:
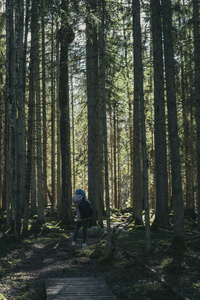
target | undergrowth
[{"x": 167, "y": 272}]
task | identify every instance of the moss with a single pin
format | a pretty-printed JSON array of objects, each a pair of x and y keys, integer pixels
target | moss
[
  {"x": 179, "y": 242},
  {"x": 107, "y": 259},
  {"x": 2, "y": 297},
  {"x": 97, "y": 253}
]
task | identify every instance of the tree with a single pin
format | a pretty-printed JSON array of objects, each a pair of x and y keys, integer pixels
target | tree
[
  {"x": 178, "y": 236},
  {"x": 65, "y": 35},
  {"x": 162, "y": 214},
  {"x": 53, "y": 183},
  {"x": 138, "y": 71},
  {"x": 8, "y": 106},
  {"x": 36, "y": 79},
  {"x": 197, "y": 91},
  {"x": 90, "y": 67},
  {"x": 137, "y": 115},
  {"x": 44, "y": 108},
  {"x": 103, "y": 94}
]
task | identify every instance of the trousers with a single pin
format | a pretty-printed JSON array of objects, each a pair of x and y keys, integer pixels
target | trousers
[{"x": 78, "y": 226}]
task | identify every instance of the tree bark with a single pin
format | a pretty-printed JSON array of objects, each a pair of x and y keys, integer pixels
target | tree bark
[
  {"x": 66, "y": 36},
  {"x": 44, "y": 117},
  {"x": 162, "y": 213},
  {"x": 53, "y": 183},
  {"x": 91, "y": 107},
  {"x": 197, "y": 91},
  {"x": 137, "y": 207},
  {"x": 178, "y": 236},
  {"x": 139, "y": 71}
]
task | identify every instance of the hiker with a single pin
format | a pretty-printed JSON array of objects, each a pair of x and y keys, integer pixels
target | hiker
[{"x": 77, "y": 199}]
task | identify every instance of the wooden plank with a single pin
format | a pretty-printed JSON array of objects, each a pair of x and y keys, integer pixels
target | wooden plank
[{"x": 79, "y": 288}]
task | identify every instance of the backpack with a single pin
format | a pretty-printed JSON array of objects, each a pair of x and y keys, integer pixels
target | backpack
[{"x": 85, "y": 209}]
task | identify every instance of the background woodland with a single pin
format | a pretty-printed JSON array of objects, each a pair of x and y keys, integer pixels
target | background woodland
[{"x": 104, "y": 96}]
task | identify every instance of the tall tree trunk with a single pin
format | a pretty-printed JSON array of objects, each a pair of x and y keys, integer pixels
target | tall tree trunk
[
  {"x": 9, "y": 100},
  {"x": 111, "y": 159},
  {"x": 18, "y": 111},
  {"x": 130, "y": 113},
  {"x": 73, "y": 140},
  {"x": 105, "y": 147},
  {"x": 115, "y": 157},
  {"x": 138, "y": 69},
  {"x": 197, "y": 91},
  {"x": 53, "y": 183},
  {"x": 118, "y": 165},
  {"x": 100, "y": 147},
  {"x": 24, "y": 65},
  {"x": 1, "y": 145},
  {"x": 59, "y": 196},
  {"x": 137, "y": 210},
  {"x": 36, "y": 73},
  {"x": 66, "y": 36},
  {"x": 91, "y": 106},
  {"x": 44, "y": 158},
  {"x": 178, "y": 236},
  {"x": 29, "y": 150},
  {"x": 162, "y": 214}
]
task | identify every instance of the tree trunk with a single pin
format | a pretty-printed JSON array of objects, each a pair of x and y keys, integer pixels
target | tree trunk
[
  {"x": 162, "y": 213},
  {"x": 44, "y": 158},
  {"x": 197, "y": 91},
  {"x": 105, "y": 147},
  {"x": 66, "y": 36},
  {"x": 178, "y": 236},
  {"x": 59, "y": 195},
  {"x": 137, "y": 209},
  {"x": 91, "y": 107},
  {"x": 53, "y": 183},
  {"x": 115, "y": 158},
  {"x": 9, "y": 100},
  {"x": 138, "y": 68},
  {"x": 36, "y": 73}
]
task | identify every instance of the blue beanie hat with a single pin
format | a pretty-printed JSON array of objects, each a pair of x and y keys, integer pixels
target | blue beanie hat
[{"x": 80, "y": 192}]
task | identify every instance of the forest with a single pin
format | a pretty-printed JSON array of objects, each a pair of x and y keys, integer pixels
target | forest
[{"x": 102, "y": 95}]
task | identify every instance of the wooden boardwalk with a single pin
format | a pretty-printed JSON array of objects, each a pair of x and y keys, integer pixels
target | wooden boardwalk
[{"x": 79, "y": 288}]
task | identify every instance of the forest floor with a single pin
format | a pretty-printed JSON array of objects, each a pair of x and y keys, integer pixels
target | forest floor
[{"x": 165, "y": 273}]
